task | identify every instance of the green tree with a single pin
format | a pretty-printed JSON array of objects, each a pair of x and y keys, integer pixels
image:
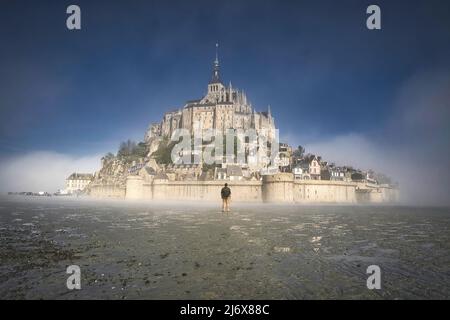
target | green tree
[
  {"x": 140, "y": 150},
  {"x": 126, "y": 148},
  {"x": 164, "y": 153},
  {"x": 130, "y": 151},
  {"x": 299, "y": 152},
  {"x": 109, "y": 156}
]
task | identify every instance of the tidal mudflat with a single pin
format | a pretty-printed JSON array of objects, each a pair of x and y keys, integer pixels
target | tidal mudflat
[{"x": 138, "y": 250}]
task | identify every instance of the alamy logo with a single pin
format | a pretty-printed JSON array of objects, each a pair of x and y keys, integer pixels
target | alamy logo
[
  {"x": 212, "y": 146},
  {"x": 73, "y": 22},
  {"x": 74, "y": 280},
  {"x": 374, "y": 20},
  {"x": 374, "y": 280}
]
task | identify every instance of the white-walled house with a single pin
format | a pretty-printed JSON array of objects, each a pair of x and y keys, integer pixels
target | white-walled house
[
  {"x": 301, "y": 172},
  {"x": 77, "y": 182},
  {"x": 337, "y": 173},
  {"x": 314, "y": 168}
]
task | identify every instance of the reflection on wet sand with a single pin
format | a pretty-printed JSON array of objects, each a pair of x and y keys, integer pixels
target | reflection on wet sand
[{"x": 138, "y": 250}]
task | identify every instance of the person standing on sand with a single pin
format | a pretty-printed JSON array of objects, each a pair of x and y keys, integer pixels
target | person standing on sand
[{"x": 226, "y": 197}]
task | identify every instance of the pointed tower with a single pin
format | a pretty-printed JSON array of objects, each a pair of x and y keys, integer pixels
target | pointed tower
[
  {"x": 216, "y": 68},
  {"x": 215, "y": 84}
]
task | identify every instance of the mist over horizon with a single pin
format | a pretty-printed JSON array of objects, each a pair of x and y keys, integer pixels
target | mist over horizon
[
  {"x": 43, "y": 170},
  {"x": 416, "y": 137},
  {"x": 372, "y": 100},
  {"x": 412, "y": 147}
]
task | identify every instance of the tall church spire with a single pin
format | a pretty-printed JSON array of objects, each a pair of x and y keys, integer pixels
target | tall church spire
[
  {"x": 217, "y": 54},
  {"x": 216, "y": 76}
]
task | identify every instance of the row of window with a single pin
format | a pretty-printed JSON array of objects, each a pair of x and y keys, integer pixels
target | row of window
[{"x": 215, "y": 88}]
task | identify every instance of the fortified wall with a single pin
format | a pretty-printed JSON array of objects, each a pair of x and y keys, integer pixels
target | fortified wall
[
  {"x": 279, "y": 188},
  {"x": 107, "y": 191}
]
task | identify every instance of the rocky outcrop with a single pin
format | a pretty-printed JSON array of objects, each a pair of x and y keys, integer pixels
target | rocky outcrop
[{"x": 114, "y": 172}]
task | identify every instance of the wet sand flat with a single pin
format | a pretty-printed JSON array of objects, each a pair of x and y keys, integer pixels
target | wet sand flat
[{"x": 138, "y": 250}]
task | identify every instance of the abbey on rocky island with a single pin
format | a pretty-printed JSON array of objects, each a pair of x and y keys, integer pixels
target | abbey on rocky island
[
  {"x": 223, "y": 107},
  {"x": 257, "y": 172}
]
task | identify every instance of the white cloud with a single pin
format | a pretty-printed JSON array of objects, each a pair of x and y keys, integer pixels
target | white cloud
[
  {"x": 43, "y": 170},
  {"x": 413, "y": 147},
  {"x": 351, "y": 149}
]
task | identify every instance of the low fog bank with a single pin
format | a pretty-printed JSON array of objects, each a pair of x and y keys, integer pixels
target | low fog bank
[
  {"x": 42, "y": 171},
  {"x": 169, "y": 206},
  {"x": 413, "y": 147}
]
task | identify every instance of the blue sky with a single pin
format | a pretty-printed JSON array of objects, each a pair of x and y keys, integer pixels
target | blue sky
[
  {"x": 323, "y": 72},
  {"x": 315, "y": 62}
]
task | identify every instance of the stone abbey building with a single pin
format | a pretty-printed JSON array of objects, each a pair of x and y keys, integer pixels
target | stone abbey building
[{"x": 223, "y": 107}]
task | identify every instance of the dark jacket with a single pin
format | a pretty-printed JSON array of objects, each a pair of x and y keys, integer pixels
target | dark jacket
[{"x": 225, "y": 192}]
